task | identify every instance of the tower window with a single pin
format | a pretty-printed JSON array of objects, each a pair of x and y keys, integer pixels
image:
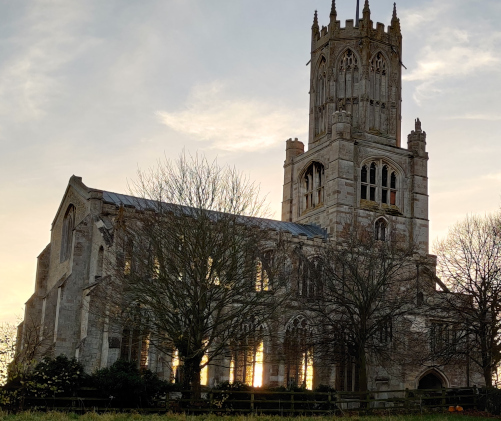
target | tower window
[
  {"x": 380, "y": 185},
  {"x": 313, "y": 186}
]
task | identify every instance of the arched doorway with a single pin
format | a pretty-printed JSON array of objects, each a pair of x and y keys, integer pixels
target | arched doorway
[{"x": 430, "y": 381}]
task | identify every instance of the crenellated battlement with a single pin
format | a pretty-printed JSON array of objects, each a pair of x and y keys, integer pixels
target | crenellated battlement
[
  {"x": 356, "y": 68},
  {"x": 365, "y": 28}
]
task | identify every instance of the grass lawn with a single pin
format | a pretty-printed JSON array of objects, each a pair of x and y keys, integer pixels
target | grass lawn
[{"x": 59, "y": 416}]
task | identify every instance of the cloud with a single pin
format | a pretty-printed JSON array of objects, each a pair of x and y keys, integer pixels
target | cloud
[
  {"x": 447, "y": 54},
  {"x": 480, "y": 117},
  {"x": 233, "y": 124},
  {"x": 30, "y": 75}
]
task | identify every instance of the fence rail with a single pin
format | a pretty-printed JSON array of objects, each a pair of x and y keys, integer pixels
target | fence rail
[{"x": 273, "y": 402}]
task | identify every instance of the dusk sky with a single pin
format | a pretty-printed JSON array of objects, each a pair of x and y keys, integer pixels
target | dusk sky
[{"x": 100, "y": 88}]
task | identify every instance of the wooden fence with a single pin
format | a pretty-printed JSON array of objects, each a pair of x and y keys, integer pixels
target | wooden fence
[{"x": 274, "y": 402}]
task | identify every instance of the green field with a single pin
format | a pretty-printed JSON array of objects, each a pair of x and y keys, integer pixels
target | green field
[{"x": 59, "y": 416}]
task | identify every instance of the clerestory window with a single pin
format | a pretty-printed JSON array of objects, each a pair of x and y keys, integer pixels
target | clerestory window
[{"x": 378, "y": 183}]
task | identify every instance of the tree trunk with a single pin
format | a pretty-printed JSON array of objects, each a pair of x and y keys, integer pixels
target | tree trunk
[
  {"x": 362, "y": 374},
  {"x": 191, "y": 381}
]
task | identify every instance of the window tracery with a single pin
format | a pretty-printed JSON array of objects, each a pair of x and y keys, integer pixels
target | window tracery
[
  {"x": 67, "y": 233},
  {"x": 313, "y": 186},
  {"x": 378, "y": 82},
  {"x": 348, "y": 84},
  {"x": 310, "y": 279},
  {"x": 321, "y": 97},
  {"x": 248, "y": 355},
  {"x": 378, "y": 183},
  {"x": 298, "y": 352}
]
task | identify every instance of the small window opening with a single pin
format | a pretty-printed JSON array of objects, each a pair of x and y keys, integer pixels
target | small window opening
[{"x": 380, "y": 229}]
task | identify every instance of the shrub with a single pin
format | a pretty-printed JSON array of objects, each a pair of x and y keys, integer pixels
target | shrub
[
  {"x": 128, "y": 386},
  {"x": 59, "y": 376}
]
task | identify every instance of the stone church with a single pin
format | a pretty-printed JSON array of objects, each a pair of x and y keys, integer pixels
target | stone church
[{"x": 355, "y": 166}]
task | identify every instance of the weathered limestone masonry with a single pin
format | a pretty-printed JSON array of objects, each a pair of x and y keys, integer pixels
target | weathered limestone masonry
[{"x": 354, "y": 170}]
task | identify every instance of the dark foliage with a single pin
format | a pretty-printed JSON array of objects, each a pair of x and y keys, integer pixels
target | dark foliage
[{"x": 127, "y": 386}]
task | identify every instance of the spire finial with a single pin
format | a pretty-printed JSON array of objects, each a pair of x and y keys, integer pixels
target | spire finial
[
  {"x": 333, "y": 8},
  {"x": 394, "y": 11},
  {"x": 314, "y": 27},
  {"x": 366, "y": 6},
  {"x": 357, "y": 16}
]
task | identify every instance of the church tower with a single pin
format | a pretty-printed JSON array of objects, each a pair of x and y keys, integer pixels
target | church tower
[{"x": 355, "y": 166}]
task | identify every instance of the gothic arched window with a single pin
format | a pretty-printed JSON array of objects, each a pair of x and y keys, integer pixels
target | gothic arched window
[
  {"x": 298, "y": 352},
  {"x": 263, "y": 271},
  {"x": 378, "y": 83},
  {"x": 313, "y": 186},
  {"x": 248, "y": 356},
  {"x": 310, "y": 280},
  {"x": 378, "y": 183},
  {"x": 67, "y": 233},
  {"x": 347, "y": 84},
  {"x": 321, "y": 97}
]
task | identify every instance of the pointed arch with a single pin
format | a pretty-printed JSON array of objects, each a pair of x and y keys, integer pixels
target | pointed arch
[
  {"x": 247, "y": 354},
  {"x": 381, "y": 229},
  {"x": 425, "y": 379},
  {"x": 67, "y": 233},
  {"x": 379, "y": 76},
  {"x": 381, "y": 182},
  {"x": 320, "y": 88},
  {"x": 348, "y": 65},
  {"x": 312, "y": 182},
  {"x": 298, "y": 353}
]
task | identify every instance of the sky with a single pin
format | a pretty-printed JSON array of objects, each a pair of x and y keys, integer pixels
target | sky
[{"x": 101, "y": 88}]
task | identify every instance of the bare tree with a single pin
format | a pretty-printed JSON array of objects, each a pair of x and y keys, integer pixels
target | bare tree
[
  {"x": 366, "y": 287},
  {"x": 191, "y": 266},
  {"x": 469, "y": 262},
  {"x": 8, "y": 334}
]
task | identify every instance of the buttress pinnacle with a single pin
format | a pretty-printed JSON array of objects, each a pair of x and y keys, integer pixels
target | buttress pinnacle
[
  {"x": 333, "y": 8},
  {"x": 394, "y": 11},
  {"x": 366, "y": 6},
  {"x": 315, "y": 20}
]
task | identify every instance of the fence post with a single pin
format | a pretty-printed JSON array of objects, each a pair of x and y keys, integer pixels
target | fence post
[
  {"x": 210, "y": 401},
  {"x": 443, "y": 397},
  {"x": 475, "y": 397},
  {"x": 406, "y": 398},
  {"x": 252, "y": 402},
  {"x": 292, "y": 402}
]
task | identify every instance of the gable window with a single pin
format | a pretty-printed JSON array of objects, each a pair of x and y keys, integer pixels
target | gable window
[
  {"x": 67, "y": 233},
  {"x": 378, "y": 183},
  {"x": 313, "y": 186}
]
